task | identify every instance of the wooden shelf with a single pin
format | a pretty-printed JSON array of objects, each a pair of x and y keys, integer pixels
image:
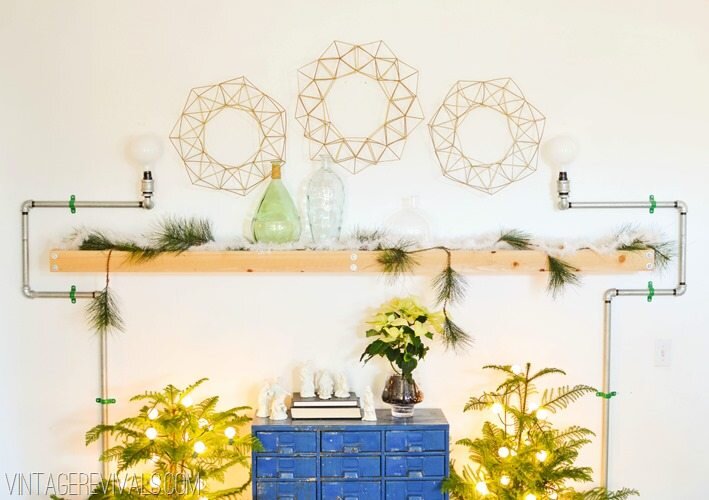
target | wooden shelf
[{"x": 310, "y": 261}]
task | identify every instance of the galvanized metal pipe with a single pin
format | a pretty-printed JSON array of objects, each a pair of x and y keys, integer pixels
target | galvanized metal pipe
[
  {"x": 27, "y": 290},
  {"x": 563, "y": 188}
]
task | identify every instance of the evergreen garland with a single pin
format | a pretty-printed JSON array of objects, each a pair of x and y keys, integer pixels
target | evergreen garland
[{"x": 522, "y": 455}]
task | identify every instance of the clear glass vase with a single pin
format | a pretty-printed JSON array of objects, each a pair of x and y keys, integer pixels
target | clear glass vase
[
  {"x": 409, "y": 223},
  {"x": 402, "y": 394},
  {"x": 325, "y": 200},
  {"x": 276, "y": 220}
]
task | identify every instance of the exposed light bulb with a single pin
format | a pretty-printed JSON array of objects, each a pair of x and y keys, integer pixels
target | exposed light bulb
[
  {"x": 560, "y": 151},
  {"x": 532, "y": 406},
  {"x": 151, "y": 433},
  {"x": 505, "y": 480},
  {"x": 541, "y": 455},
  {"x": 202, "y": 422},
  {"x": 503, "y": 452},
  {"x": 199, "y": 447},
  {"x": 187, "y": 401},
  {"x": 516, "y": 369},
  {"x": 144, "y": 150},
  {"x": 543, "y": 414},
  {"x": 153, "y": 414},
  {"x": 481, "y": 487},
  {"x": 230, "y": 432},
  {"x": 530, "y": 496},
  {"x": 497, "y": 408}
]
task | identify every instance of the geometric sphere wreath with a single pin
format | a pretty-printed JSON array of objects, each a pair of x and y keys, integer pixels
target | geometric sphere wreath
[
  {"x": 525, "y": 124},
  {"x": 189, "y": 135},
  {"x": 397, "y": 80}
]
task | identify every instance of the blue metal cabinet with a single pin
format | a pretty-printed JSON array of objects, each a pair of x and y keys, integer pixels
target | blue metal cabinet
[{"x": 390, "y": 459}]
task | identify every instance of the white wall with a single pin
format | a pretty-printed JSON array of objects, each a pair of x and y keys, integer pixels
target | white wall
[{"x": 629, "y": 79}]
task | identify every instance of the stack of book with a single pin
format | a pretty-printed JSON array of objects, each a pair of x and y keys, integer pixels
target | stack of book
[{"x": 333, "y": 408}]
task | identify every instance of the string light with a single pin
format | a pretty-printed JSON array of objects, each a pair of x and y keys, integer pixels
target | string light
[
  {"x": 503, "y": 452},
  {"x": 532, "y": 406},
  {"x": 553, "y": 495},
  {"x": 187, "y": 401},
  {"x": 199, "y": 447},
  {"x": 516, "y": 369},
  {"x": 530, "y": 496},
  {"x": 505, "y": 480},
  {"x": 153, "y": 414},
  {"x": 497, "y": 408},
  {"x": 481, "y": 487},
  {"x": 230, "y": 432},
  {"x": 543, "y": 414},
  {"x": 541, "y": 455},
  {"x": 202, "y": 422},
  {"x": 151, "y": 433}
]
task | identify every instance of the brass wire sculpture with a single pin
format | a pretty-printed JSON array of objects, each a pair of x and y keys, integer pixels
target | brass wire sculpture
[
  {"x": 398, "y": 81},
  {"x": 524, "y": 121},
  {"x": 189, "y": 135}
]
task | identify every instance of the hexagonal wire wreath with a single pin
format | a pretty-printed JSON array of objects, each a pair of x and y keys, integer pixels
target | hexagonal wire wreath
[
  {"x": 189, "y": 135},
  {"x": 525, "y": 123},
  {"x": 398, "y": 81}
]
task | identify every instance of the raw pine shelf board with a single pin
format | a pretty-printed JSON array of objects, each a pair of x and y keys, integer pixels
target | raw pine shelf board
[{"x": 311, "y": 261}]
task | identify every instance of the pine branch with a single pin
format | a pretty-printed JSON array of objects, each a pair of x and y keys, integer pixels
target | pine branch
[
  {"x": 97, "y": 240},
  {"x": 453, "y": 335},
  {"x": 664, "y": 250},
  {"x": 103, "y": 312},
  {"x": 396, "y": 260},
  {"x": 603, "y": 494},
  {"x": 449, "y": 286},
  {"x": 179, "y": 235},
  {"x": 561, "y": 397},
  {"x": 561, "y": 274},
  {"x": 519, "y": 240}
]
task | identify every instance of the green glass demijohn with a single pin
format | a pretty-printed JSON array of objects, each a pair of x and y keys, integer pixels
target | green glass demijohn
[{"x": 276, "y": 220}]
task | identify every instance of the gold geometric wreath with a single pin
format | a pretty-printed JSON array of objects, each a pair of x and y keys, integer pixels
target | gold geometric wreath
[
  {"x": 189, "y": 135},
  {"x": 398, "y": 81},
  {"x": 525, "y": 124}
]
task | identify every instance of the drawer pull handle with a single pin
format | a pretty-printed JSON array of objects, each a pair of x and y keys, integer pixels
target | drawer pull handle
[
  {"x": 415, "y": 449},
  {"x": 285, "y": 475},
  {"x": 351, "y": 475},
  {"x": 415, "y": 473},
  {"x": 288, "y": 450},
  {"x": 351, "y": 449}
]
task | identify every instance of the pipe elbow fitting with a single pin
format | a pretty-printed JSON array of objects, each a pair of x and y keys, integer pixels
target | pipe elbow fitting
[
  {"x": 681, "y": 206},
  {"x": 27, "y": 205},
  {"x": 681, "y": 289},
  {"x": 28, "y": 292},
  {"x": 609, "y": 294}
]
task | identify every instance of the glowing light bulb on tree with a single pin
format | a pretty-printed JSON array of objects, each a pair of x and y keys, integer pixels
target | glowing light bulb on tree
[
  {"x": 151, "y": 433},
  {"x": 543, "y": 414},
  {"x": 187, "y": 401},
  {"x": 481, "y": 488},
  {"x": 516, "y": 369},
  {"x": 503, "y": 452},
  {"x": 230, "y": 432},
  {"x": 553, "y": 495},
  {"x": 153, "y": 414},
  {"x": 497, "y": 408},
  {"x": 199, "y": 447},
  {"x": 541, "y": 455},
  {"x": 530, "y": 496},
  {"x": 202, "y": 422},
  {"x": 505, "y": 480},
  {"x": 532, "y": 406}
]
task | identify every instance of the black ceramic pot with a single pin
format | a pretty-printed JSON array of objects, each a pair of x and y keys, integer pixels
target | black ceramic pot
[{"x": 402, "y": 394}]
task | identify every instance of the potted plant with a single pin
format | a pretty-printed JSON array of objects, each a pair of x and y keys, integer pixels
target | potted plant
[
  {"x": 402, "y": 329},
  {"x": 520, "y": 455}
]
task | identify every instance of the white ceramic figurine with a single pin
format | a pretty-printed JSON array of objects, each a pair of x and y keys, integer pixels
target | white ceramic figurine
[
  {"x": 264, "y": 400},
  {"x": 368, "y": 412},
  {"x": 279, "y": 411},
  {"x": 342, "y": 388},
  {"x": 307, "y": 381},
  {"x": 325, "y": 386}
]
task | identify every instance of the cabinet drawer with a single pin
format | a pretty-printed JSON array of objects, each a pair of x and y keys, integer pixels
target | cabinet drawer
[
  {"x": 416, "y": 441},
  {"x": 415, "y": 466},
  {"x": 414, "y": 490},
  {"x": 351, "y": 441},
  {"x": 286, "y": 467},
  {"x": 276, "y": 490},
  {"x": 351, "y": 490},
  {"x": 350, "y": 467},
  {"x": 288, "y": 442}
]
